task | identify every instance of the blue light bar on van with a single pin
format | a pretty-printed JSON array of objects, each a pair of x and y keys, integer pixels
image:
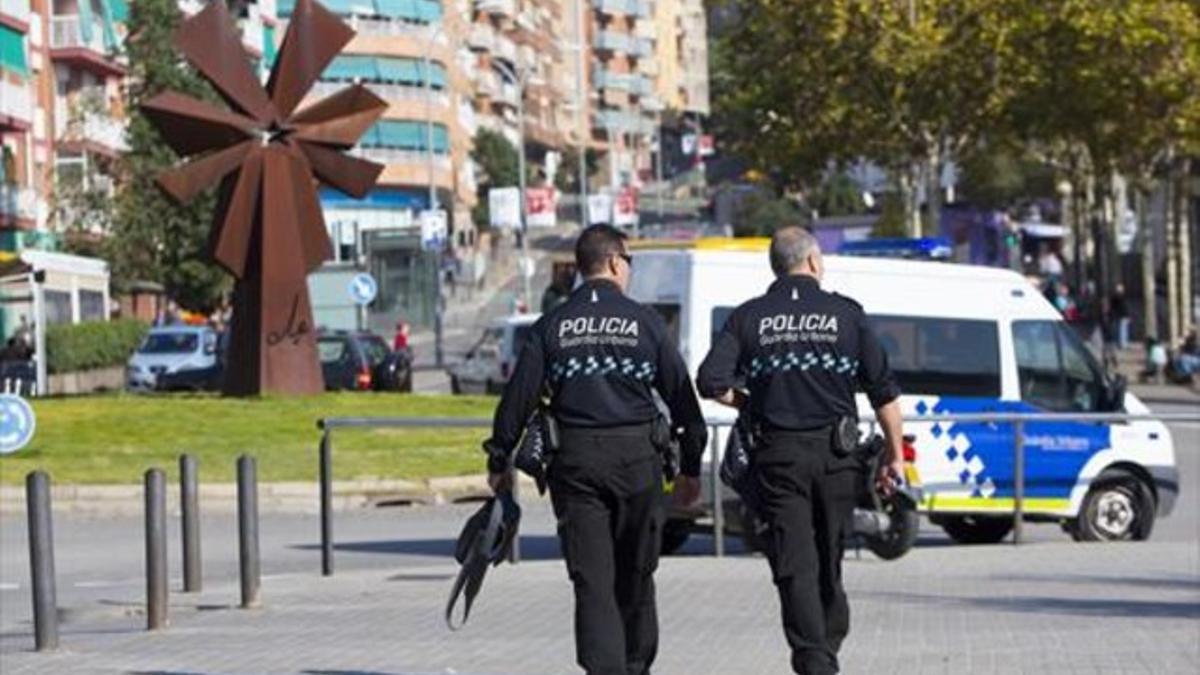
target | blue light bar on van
[{"x": 924, "y": 248}]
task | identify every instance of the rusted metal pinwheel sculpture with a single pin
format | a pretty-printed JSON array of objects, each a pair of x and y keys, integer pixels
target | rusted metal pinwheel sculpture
[{"x": 268, "y": 230}]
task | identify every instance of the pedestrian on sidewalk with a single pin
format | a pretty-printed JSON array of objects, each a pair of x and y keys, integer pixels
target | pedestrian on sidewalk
[
  {"x": 602, "y": 357},
  {"x": 1119, "y": 306}
]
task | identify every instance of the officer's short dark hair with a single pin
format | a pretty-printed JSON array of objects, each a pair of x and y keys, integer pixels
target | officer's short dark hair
[
  {"x": 596, "y": 244},
  {"x": 790, "y": 246}
]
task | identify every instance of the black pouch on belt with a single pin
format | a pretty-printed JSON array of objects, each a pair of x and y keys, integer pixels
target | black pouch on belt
[{"x": 845, "y": 436}]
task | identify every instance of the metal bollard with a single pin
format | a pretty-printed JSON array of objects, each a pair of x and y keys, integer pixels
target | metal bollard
[
  {"x": 189, "y": 502},
  {"x": 718, "y": 501},
  {"x": 41, "y": 561},
  {"x": 1018, "y": 480},
  {"x": 156, "y": 549},
  {"x": 248, "y": 530},
  {"x": 326, "y": 471}
]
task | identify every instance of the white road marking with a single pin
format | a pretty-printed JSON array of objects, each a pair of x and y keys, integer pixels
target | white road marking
[{"x": 5, "y": 586}]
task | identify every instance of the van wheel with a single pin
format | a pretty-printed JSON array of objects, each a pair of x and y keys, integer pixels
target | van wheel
[
  {"x": 1118, "y": 507},
  {"x": 455, "y": 386},
  {"x": 675, "y": 534},
  {"x": 972, "y": 529}
]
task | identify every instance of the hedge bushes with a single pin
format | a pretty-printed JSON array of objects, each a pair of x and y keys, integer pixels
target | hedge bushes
[{"x": 95, "y": 344}]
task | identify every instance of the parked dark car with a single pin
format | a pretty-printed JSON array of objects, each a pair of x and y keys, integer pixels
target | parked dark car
[{"x": 362, "y": 361}]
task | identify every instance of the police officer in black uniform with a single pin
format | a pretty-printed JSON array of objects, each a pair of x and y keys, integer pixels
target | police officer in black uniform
[
  {"x": 801, "y": 352},
  {"x": 602, "y": 355}
]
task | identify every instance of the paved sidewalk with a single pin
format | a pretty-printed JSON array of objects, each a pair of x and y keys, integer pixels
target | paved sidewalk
[{"x": 1040, "y": 608}]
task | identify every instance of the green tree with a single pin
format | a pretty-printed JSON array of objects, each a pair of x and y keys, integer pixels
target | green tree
[
  {"x": 496, "y": 159},
  {"x": 152, "y": 237},
  {"x": 567, "y": 177},
  {"x": 906, "y": 85},
  {"x": 759, "y": 214},
  {"x": 837, "y": 195}
]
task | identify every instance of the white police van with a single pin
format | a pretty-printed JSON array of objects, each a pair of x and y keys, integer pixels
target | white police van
[{"x": 960, "y": 339}]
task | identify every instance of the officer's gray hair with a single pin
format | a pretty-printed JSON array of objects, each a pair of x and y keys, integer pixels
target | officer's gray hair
[{"x": 790, "y": 247}]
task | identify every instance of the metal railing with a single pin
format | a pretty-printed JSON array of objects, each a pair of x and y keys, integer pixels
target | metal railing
[{"x": 1018, "y": 420}]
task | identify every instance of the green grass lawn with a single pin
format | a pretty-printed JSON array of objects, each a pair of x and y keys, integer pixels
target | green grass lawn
[{"x": 114, "y": 439}]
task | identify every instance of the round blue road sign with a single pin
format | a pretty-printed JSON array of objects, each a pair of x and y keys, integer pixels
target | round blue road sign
[
  {"x": 363, "y": 288},
  {"x": 17, "y": 423}
]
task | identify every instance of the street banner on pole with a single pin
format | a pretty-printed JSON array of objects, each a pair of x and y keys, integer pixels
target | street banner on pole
[
  {"x": 540, "y": 207},
  {"x": 433, "y": 230},
  {"x": 504, "y": 208},
  {"x": 599, "y": 209},
  {"x": 625, "y": 211}
]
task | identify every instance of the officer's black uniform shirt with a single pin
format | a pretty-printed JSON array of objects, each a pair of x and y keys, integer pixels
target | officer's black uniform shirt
[
  {"x": 801, "y": 351},
  {"x": 601, "y": 354}
]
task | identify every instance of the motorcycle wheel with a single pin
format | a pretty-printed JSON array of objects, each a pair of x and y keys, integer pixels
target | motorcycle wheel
[
  {"x": 675, "y": 534},
  {"x": 902, "y": 534},
  {"x": 971, "y": 529}
]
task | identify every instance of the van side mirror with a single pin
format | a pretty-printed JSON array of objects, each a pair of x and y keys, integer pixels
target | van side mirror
[{"x": 1114, "y": 394}]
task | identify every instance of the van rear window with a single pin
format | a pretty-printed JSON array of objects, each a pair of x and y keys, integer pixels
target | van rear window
[{"x": 942, "y": 357}]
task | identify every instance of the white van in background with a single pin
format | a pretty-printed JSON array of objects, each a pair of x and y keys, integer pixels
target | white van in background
[{"x": 960, "y": 339}]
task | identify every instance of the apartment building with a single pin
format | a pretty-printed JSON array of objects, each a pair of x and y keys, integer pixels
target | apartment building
[{"x": 62, "y": 117}]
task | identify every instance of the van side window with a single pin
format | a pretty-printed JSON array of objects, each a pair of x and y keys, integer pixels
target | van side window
[
  {"x": 1054, "y": 369},
  {"x": 941, "y": 357}
]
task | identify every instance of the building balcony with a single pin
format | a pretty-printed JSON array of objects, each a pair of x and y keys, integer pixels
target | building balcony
[
  {"x": 504, "y": 48},
  {"x": 17, "y": 204},
  {"x": 648, "y": 67},
  {"x": 482, "y": 37},
  {"x": 620, "y": 121},
  {"x": 388, "y": 91},
  {"x": 401, "y": 156},
  {"x": 612, "y": 41},
  {"x": 96, "y": 132},
  {"x": 16, "y": 106},
  {"x": 15, "y": 13},
  {"x": 642, "y": 48},
  {"x": 384, "y": 27},
  {"x": 635, "y": 8},
  {"x": 607, "y": 79},
  {"x": 72, "y": 41},
  {"x": 505, "y": 8}
]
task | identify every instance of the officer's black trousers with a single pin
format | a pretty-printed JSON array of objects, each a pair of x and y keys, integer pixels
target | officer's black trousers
[
  {"x": 606, "y": 485},
  {"x": 807, "y": 496}
]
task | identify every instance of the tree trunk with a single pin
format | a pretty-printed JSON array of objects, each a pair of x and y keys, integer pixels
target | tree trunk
[
  {"x": 1145, "y": 244},
  {"x": 907, "y": 179},
  {"x": 1172, "y": 230},
  {"x": 933, "y": 192},
  {"x": 1184, "y": 216}
]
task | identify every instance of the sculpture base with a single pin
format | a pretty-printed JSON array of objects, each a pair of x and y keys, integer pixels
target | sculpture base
[{"x": 272, "y": 344}]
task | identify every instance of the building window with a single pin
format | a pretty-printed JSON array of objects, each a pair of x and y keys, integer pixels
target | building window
[{"x": 91, "y": 305}]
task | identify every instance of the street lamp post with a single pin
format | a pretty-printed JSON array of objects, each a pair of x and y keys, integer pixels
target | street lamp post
[
  {"x": 520, "y": 81},
  {"x": 438, "y": 305}
]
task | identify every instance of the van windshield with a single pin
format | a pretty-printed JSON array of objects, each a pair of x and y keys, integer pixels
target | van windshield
[{"x": 941, "y": 357}]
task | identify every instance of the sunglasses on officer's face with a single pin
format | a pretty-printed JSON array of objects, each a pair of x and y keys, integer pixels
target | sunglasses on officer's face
[{"x": 627, "y": 258}]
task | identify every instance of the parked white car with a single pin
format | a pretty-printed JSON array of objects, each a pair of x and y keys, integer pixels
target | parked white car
[
  {"x": 487, "y": 366},
  {"x": 170, "y": 349}
]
